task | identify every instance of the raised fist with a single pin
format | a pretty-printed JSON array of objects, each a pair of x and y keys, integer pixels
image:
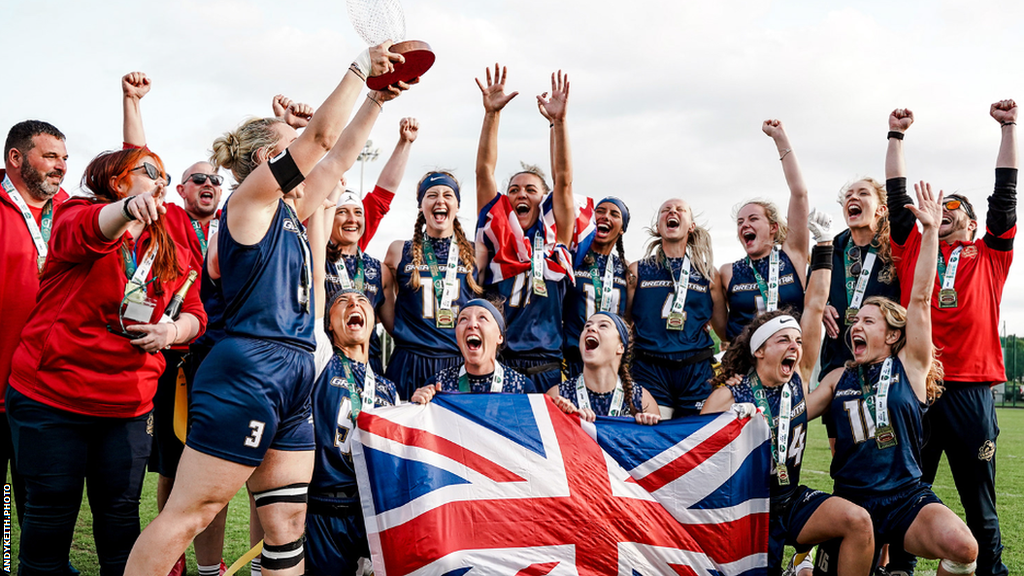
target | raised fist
[{"x": 135, "y": 85}]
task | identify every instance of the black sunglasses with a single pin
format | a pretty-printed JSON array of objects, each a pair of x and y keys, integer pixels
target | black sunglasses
[
  {"x": 199, "y": 179},
  {"x": 153, "y": 172},
  {"x": 856, "y": 267}
]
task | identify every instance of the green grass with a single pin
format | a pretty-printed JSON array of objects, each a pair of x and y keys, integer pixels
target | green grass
[{"x": 1009, "y": 482}]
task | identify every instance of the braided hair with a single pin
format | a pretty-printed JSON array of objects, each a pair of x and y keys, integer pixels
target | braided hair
[{"x": 467, "y": 253}]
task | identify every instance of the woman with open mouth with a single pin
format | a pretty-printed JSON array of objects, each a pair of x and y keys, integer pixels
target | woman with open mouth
[
  {"x": 434, "y": 276},
  {"x": 766, "y": 369},
  {"x": 601, "y": 279},
  {"x": 348, "y": 385},
  {"x": 480, "y": 331},
  {"x": 772, "y": 274},
  {"x": 355, "y": 223},
  {"x": 877, "y": 404},
  {"x": 674, "y": 297},
  {"x": 527, "y": 259},
  {"x": 605, "y": 386}
]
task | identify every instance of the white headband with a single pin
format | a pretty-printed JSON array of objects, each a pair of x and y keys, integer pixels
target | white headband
[
  {"x": 769, "y": 328},
  {"x": 349, "y": 197}
]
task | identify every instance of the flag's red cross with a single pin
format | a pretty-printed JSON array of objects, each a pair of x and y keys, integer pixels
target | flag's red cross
[{"x": 590, "y": 518}]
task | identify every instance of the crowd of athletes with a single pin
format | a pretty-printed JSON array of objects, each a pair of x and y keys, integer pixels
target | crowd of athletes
[{"x": 257, "y": 371}]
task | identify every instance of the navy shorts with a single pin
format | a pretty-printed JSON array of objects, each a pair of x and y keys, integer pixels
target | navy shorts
[
  {"x": 166, "y": 446},
  {"x": 409, "y": 370},
  {"x": 892, "y": 515},
  {"x": 335, "y": 542},
  {"x": 543, "y": 372},
  {"x": 786, "y": 521},
  {"x": 682, "y": 387},
  {"x": 250, "y": 396}
]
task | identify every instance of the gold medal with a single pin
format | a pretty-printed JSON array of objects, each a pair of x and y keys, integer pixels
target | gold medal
[
  {"x": 851, "y": 315},
  {"x": 40, "y": 261},
  {"x": 885, "y": 436},
  {"x": 676, "y": 321},
  {"x": 445, "y": 318},
  {"x": 782, "y": 474},
  {"x": 947, "y": 298},
  {"x": 539, "y": 287}
]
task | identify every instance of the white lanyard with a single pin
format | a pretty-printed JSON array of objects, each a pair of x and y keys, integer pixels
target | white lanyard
[
  {"x": 30, "y": 222},
  {"x": 497, "y": 378},
  {"x": 537, "y": 262},
  {"x": 862, "y": 281},
  {"x": 369, "y": 388},
  {"x": 607, "y": 285},
  {"x": 214, "y": 226},
  {"x": 785, "y": 407},
  {"x": 773, "y": 290},
  {"x": 343, "y": 277},
  {"x": 451, "y": 275},
  {"x": 583, "y": 398},
  {"x": 138, "y": 280},
  {"x": 682, "y": 285},
  {"x": 949, "y": 278},
  {"x": 882, "y": 397}
]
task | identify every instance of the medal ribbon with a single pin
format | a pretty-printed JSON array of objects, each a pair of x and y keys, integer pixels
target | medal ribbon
[
  {"x": 346, "y": 282},
  {"x": 769, "y": 292},
  {"x": 39, "y": 237},
  {"x": 779, "y": 426},
  {"x": 682, "y": 284},
  {"x": 444, "y": 290},
  {"x": 307, "y": 257},
  {"x": 537, "y": 261},
  {"x": 603, "y": 287},
  {"x": 948, "y": 274},
  {"x": 136, "y": 274},
  {"x": 497, "y": 378},
  {"x": 583, "y": 398},
  {"x": 855, "y": 295},
  {"x": 369, "y": 394},
  {"x": 879, "y": 408},
  {"x": 202, "y": 236}
]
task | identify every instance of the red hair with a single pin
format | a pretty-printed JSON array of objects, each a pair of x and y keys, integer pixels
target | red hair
[{"x": 118, "y": 165}]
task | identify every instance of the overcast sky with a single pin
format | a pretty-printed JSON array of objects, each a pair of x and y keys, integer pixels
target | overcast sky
[{"x": 667, "y": 96}]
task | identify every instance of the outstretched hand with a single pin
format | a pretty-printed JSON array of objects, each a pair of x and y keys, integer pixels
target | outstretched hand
[
  {"x": 1004, "y": 111},
  {"x": 135, "y": 85},
  {"x": 928, "y": 210},
  {"x": 564, "y": 404},
  {"x": 553, "y": 107},
  {"x": 494, "y": 93},
  {"x": 901, "y": 119},
  {"x": 383, "y": 60},
  {"x": 408, "y": 129},
  {"x": 773, "y": 128},
  {"x": 425, "y": 394},
  {"x": 148, "y": 206}
]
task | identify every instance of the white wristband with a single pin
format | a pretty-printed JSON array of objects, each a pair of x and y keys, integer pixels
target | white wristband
[{"x": 362, "y": 62}]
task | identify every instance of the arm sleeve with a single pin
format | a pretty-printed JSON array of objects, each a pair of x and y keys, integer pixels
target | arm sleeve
[
  {"x": 901, "y": 220},
  {"x": 1001, "y": 221},
  {"x": 77, "y": 236},
  {"x": 375, "y": 206}
]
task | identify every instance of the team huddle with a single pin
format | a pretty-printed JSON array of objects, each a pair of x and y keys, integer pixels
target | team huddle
[{"x": 261, "y": 319}]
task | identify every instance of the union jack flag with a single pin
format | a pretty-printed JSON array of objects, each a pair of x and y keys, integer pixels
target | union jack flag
[
  {"x": 509, "y": 250},
  {"x": 506, "y": 484}
]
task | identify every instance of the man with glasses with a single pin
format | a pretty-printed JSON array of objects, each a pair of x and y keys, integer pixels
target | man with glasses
[{"x": 965, "y": 320}]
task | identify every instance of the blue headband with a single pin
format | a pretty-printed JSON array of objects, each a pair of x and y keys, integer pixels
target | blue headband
[
  {"x": 486, "y": 305},
  {"x": 337, "y": 296},
  {"x": 437, "y": 179},
  {"x": 620, "y": 325},
  {"x": 622, "y": 208}
]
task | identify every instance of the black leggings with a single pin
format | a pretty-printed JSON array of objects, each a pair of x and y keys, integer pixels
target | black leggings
[{"x": 56, "y": 452}]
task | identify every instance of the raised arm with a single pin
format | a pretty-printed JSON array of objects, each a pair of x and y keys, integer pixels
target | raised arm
[
  {"x": 1002, "y": 204},
  {"x": 487, "y": 151},
  {"x": 134, "y": 85},
  {"x": 816, "y": 295},
  {"x": 391, "y": 176},
  {"x": 554, "y": 108},
  {"x": 901, "y": 220},
  {"x": 719, "y": 307},
  {"x": 294, "y": 114},
  {"x": 146, "y": 208},
  {"x": 318, "y": 230},
  {"x": 917, "y": 354},
  {"x": 796, "y": 216}
]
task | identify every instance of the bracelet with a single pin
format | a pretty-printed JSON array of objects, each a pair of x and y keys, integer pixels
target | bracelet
[
  {"x": 1007, "y": 123},
  {"x": 821, "y": 257},
  {"x": 375, "y": 101},
  {"x": 895, "y": 134},
  {"x": 355, "y": 69},
  {"x": 552, "y": 125},
  {"x": 128, "y": 217},
  {"x": 784, "y": 152},
  {"x": 176, "y": 335},
  {"x": 363, "y": 63}
]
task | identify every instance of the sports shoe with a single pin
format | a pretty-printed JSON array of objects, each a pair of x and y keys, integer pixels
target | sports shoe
[
  {"x": 179, "y": 567},
  {"x": 223, "y": 567}
]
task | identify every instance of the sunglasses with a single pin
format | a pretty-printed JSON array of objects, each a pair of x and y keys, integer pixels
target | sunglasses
[
  {"x": 199, "y": 179},
  {"x": 856, "y": 267},
  {"x": 955, "y": 204},
  {"x": 153, "y": 172}
]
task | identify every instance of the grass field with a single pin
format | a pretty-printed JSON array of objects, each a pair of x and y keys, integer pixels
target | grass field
[{"x": 1010, "y": 495}]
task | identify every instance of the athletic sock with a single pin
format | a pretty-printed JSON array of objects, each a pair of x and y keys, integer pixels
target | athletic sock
[
  {"x": 257, "y": 570},
  {"x": 211, "y": 570}
]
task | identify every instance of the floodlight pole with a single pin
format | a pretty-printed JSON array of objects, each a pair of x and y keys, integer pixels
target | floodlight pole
[{"x": 369, "y": 153}]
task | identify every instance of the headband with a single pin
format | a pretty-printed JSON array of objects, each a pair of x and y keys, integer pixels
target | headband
[
  {"x": 620, "y": 325},
  {"x": 437, "y": 179},
  {"x": 337, "y": 296},
  {"x": 349, "y": 197},
  {"x": 486, "y": 305},
  {"x": 769, "y": 328},
  {"x": 622, "y": 208}
]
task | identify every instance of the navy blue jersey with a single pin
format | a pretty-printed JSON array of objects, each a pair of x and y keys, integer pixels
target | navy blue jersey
[
  {"x": 835, "y": 351},
  {"x": 213, "y": 304},
  {"x": 372, "y": 286},
  {"x": 415, "y": 326},
  {"x": 859, "y": 466},
  {"x": 514, "y": 382},
  {"x": 261, "y": 282},
  {"x": 601, "y": 402},
  {"x": 580, "y": 299},
  {"x": 744, "y": 296},
  {"x": 797, "y": 429},
  {"x": 332, "y": 409},
  {"x": 652, "y": 302},
  {"x": 533, "y": 323}
]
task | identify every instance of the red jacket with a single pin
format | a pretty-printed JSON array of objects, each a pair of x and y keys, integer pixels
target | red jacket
[
  {"x": 178, "y": 224},
  {"x": 20, "y": 277},
  {"x": 67, "y": 358}
]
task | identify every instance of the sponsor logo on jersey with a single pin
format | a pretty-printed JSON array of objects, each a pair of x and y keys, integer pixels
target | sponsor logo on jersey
[
  {"x": 442, "y": 267},
  {"x": 847, "y": 392},
  {"x": 969, "y": 251},
  {"x": 370, "y": 272},
  {"x": 798, "y": 409},
  {"x": 671, "y": 285},
  {"x": 752, "y": 286},
  {"x": 290, "y": 226},
  {"x": 338, "y": 381}
]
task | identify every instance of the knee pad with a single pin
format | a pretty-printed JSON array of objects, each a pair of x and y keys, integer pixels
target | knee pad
[
  {"x": 293, "y": 493},
  {"x": 958, "y": 568},
  {"x": 283, "y": 556}
]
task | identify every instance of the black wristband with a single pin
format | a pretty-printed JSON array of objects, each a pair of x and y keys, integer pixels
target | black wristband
[
  {"x": 821, "y": 257},
  {"x": 895, "y": 134},
  {"x": 125, "y": 213},
  {"x": 285, "y": 171}
]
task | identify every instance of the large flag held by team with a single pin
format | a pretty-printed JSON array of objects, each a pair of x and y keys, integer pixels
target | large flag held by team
[{"x": 506, "y": 484}]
